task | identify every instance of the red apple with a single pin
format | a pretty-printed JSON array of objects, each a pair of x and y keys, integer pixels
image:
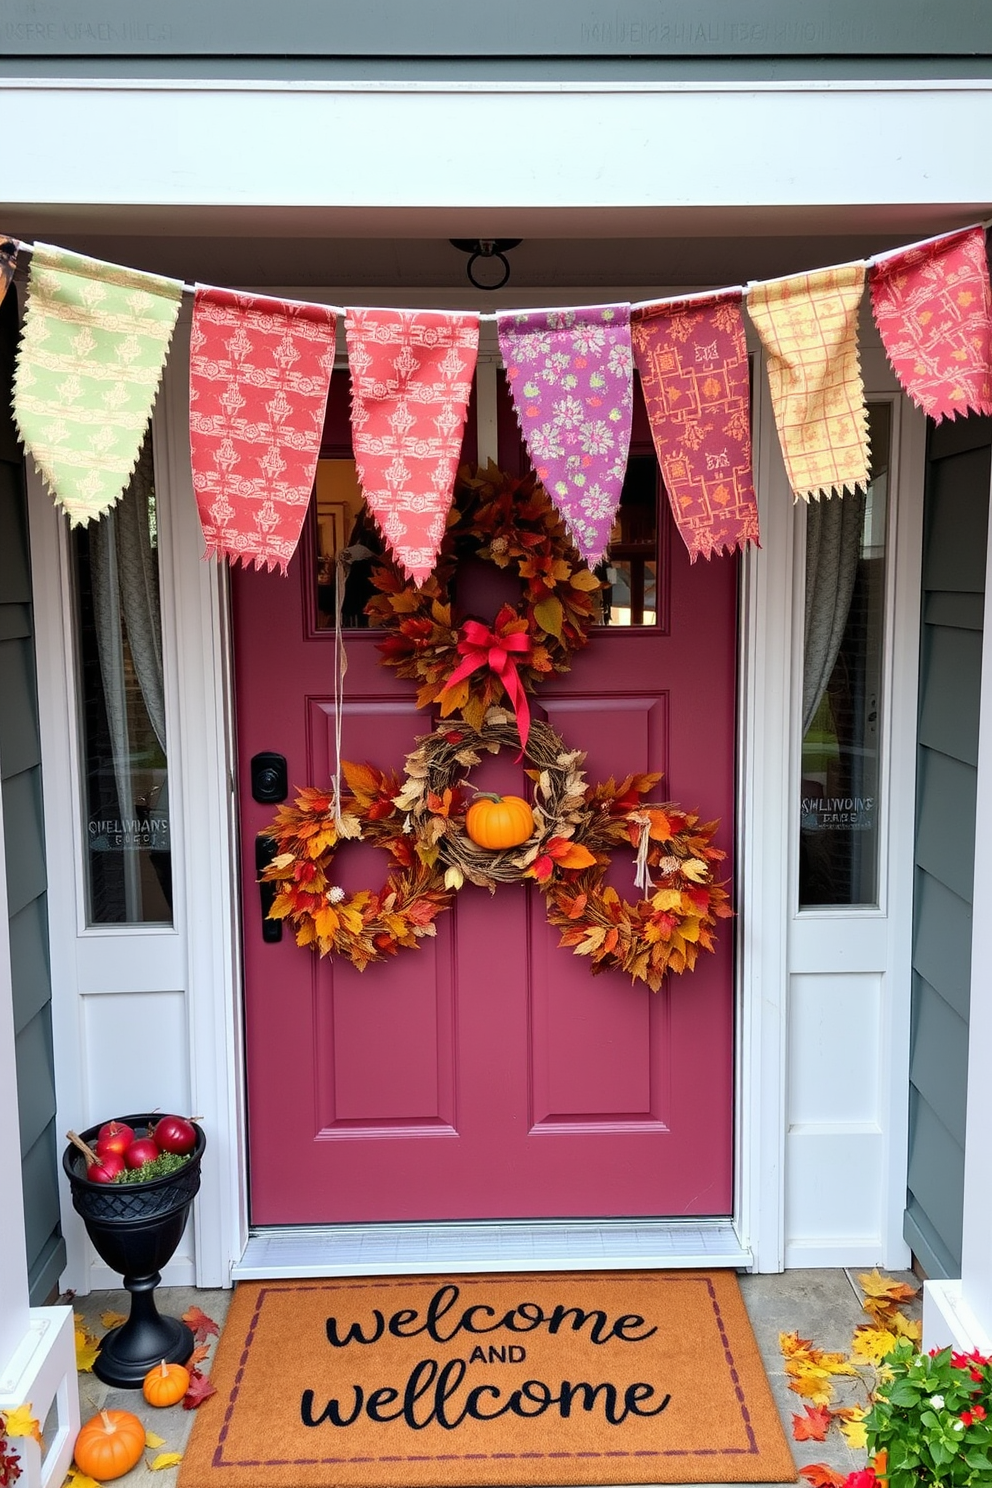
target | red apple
[
  {"x": 114, "y": 1136},
  {"x": 142, "y": 1150},
  {"x": 106, "y": 1170},
  {"x": 174, "y": 1134},
  {"x": 116, "y": 1142}
]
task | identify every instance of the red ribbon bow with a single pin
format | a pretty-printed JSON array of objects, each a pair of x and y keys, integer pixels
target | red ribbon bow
[{"x": 502, "y": 654}]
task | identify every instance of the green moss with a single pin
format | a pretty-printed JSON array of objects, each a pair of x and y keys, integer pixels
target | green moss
[{"x": 165, "y": 1163}]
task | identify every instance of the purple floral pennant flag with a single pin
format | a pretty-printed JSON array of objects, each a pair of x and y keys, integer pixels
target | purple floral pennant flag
[{"x": 570, "y": 374}]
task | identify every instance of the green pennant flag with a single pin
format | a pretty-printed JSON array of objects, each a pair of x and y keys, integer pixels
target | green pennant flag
[{"x": 93, "y": 346}]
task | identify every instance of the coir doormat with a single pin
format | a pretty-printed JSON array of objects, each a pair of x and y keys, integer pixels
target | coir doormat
[{"x": 391, "y": 1382}]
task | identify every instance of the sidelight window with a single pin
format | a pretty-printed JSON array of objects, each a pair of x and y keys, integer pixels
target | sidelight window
[
  {"x": 124, "y": 768},
  {"x": 842, "y": 687}
]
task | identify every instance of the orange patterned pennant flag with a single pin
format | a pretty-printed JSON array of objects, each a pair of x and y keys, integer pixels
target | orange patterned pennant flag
[
  {"x": 933, "y": 309},
  {"x": 809, "y": 327}
]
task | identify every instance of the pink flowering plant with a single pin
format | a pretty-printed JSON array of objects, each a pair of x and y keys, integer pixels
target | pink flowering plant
[{"x": 931, "y": 1417}]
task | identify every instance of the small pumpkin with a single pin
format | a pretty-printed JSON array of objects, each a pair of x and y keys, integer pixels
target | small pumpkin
[
  {"x": 499, "y": 821},
  {"x": 165, "y": 1384},
  {"x": 109, "y": 1445}
]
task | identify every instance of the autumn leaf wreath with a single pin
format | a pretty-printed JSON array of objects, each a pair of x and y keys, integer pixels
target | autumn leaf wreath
[
  {"x": 479, "y": 678},
  {"x": 420, "y": 823}
]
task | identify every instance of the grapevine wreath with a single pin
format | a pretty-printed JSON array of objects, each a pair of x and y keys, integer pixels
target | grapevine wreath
[
  {"x": 576, "y": 828},
  {"x": 369, "y": 925},
  {"x": 469, "y": 667},
  {"x": 433, "y": 797}
]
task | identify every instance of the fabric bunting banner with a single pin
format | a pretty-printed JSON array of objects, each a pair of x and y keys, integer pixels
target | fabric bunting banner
[
  {"x": 411, "y": 379},
  {"x": 933, "y": 309},
  {"x": 809, "y": 326},
  {"x": 8, "y": 262},
  {"x": 93, "y": 346},
  {"x": 96, "y": 336},
  {"x": 570, "y": 375},
  {"x": 259, "y": 374},
  {"x": 692, "y": 359}
]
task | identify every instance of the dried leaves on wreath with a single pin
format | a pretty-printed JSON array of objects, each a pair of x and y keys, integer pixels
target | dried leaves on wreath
[
  {"x": 665, "y": 931},
  {"x": 511, "y": 524},
  {"x": 369, "y": 925}
]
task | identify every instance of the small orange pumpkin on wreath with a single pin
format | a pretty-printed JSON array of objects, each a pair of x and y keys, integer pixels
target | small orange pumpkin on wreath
[
  {"x": 369, "y": 925},
  {"x": 445, "y": 833},
  {"x": 469, "y": 667}
]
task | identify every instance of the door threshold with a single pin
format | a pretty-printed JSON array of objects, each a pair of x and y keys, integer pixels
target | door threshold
[{"x": 484, "y": 1245}]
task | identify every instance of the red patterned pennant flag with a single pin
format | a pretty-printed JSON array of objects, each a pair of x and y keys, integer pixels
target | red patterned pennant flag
[
  {"x": 933, "y": 309},
  {"x": 411, "y": 378},
  {"x": 259, "y": 374},
  {"x": 692, "y": 358},
  {"x": 570, "y": 374}
]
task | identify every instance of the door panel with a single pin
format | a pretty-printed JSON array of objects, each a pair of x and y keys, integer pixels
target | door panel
[{"x": 488, "y": 1074}]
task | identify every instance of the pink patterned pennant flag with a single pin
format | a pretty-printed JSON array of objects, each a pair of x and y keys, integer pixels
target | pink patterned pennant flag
[
  {"x": 933, "y": 309},
  {"x": 411, "y": 378},
  {"x": 259, "y": 375},
  {"x": 571, "y": 377},
  {"x": 692, "y": 359}
]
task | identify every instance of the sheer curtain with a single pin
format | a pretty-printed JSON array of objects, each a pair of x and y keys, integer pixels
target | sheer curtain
[
  {"x": 833, "y": 547},
  {"x": 124, "y": 579}
]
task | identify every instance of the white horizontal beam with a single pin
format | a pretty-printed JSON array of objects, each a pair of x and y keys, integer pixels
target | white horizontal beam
[{"x": 599, "y": 146}]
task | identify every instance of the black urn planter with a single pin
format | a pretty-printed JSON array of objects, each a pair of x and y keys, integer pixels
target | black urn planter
[{"x": 136, "y": 1228}]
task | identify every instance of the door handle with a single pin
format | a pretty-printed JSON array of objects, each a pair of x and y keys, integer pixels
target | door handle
[{"x": 265, "y": 851}]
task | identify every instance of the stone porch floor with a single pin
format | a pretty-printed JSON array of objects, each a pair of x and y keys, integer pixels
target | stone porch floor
[{"x": 822, "y": 1305}]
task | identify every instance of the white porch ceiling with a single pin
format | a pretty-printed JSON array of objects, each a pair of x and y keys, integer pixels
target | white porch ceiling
[{"x": 410, "y": 249}]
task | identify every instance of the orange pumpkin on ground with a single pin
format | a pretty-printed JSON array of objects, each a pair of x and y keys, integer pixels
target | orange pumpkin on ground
[
  {"x": 499, "y": 821},
  {"x": 109, "y": 1445},
  {"x": 166, "y": 1384}
]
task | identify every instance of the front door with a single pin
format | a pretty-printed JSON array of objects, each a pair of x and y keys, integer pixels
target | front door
[{"x": 488, "y": 1074}]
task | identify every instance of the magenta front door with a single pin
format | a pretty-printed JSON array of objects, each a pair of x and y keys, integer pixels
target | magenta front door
[{"x": 489, "y": 1074}]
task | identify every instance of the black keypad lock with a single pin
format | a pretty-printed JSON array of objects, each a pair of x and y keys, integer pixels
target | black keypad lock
[{"x": 269, "y": 780}]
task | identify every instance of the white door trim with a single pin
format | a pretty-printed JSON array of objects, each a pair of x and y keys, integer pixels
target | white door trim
[
  {"x": 764, "y": 825},
  {"x": 198, "y": 594},
  {"x": 198, "y": 662},
  {"x": 191, "y": 966}
]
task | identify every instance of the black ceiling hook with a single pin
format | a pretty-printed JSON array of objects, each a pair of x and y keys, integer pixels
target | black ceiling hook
[{"x": 485, "y": 251}]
